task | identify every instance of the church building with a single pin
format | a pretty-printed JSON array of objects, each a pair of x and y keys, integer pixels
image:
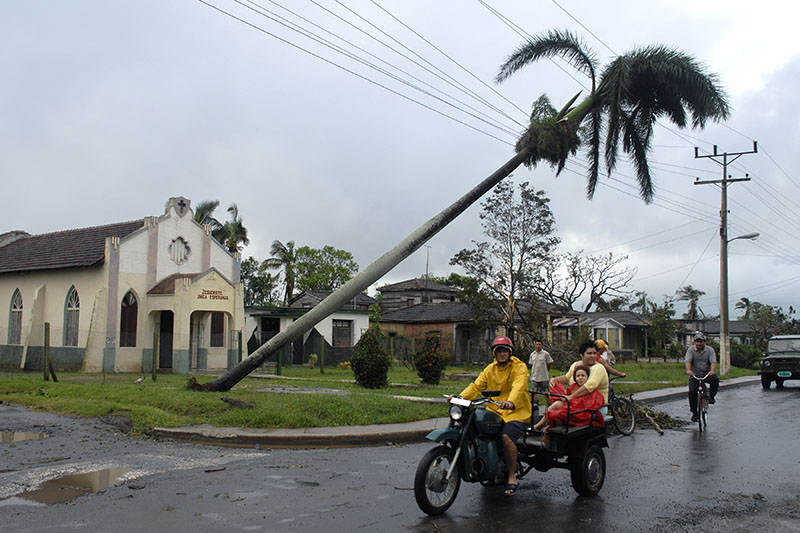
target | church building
[{"x": 103, "y": 294}]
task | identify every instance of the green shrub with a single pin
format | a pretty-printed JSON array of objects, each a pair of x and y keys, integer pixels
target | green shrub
[
  {"x": 745, "y": 356},
  {"x": 370, "y": 360},
  {"x": 312, "y": 360},
  {"x": 430, "y": 362},
  {"x": 742, "y": 355}
]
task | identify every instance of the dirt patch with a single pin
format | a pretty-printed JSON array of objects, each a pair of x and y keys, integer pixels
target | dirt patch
[{"x": 118, "y": 421}]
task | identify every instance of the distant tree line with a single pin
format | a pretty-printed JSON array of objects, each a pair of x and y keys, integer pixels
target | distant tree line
[{"x": 276, "y": 279}]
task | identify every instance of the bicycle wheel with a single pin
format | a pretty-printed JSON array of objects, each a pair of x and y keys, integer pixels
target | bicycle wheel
[
  {"x": 701, "y": 408},
  {"x": 624, "y": 415}
]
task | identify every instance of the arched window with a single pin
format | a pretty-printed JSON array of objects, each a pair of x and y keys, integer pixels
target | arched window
[
  {"x": 127, "y": 325},
  {"x": 15, "y": 320},
  {"x": 72, "y": 318}
]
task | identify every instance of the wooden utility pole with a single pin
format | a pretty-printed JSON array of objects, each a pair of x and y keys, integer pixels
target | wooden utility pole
[{"x": 727, "y": 159}]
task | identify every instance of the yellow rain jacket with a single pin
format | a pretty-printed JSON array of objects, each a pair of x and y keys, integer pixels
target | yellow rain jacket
[{"x": 511, "y": 380}]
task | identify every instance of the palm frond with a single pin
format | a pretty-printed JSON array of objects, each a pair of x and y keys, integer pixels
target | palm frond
[
  {"x": 554, "y": 43},
  {"x": 635, "y": 143},
  {"x": 595, "y": 119},
  {"x": 635, "y": 90},
  {"x": 638, "y": 88}
]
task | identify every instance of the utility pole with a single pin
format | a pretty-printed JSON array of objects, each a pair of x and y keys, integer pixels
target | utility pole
[{"x": 726, "y": 159}]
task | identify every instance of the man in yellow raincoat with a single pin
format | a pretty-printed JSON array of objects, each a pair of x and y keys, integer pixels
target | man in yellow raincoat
[{"x": 510, "y": 376}]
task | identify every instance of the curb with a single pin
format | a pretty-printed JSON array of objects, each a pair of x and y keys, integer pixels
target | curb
[
  {"x": 676, "y": 393},
  {"x": 358, "y": 436},
  {"x": 338, "y": 437}
]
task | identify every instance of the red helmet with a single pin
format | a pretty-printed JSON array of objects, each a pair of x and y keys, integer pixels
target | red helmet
[{"x": 500, "y": 340}]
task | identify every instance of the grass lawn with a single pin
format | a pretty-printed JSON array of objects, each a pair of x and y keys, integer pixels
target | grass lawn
[{"x": 280, "y": 401}]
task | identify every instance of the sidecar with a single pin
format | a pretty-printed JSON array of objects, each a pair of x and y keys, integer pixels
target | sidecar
[{"x": 578, "y": 449}]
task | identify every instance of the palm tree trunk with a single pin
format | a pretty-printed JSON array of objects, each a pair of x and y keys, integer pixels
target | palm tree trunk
[{"x": 362, "y": 280}]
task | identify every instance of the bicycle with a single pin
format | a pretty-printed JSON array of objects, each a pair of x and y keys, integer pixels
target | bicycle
[
  {"x": 702, "y": 402},
  {"x": 622, "y": 410}
]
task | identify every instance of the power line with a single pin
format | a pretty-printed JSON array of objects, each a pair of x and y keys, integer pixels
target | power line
[
  {"x": 495, "y": 91},
  {"x": 349, "y": 71},
  {"x": 698, "y": 260},
  {"x": 641, "y": 238},
  {"x": 584, "y": 27},
  {"x": 361, "y": 49},
  {"x": 455, "y": 82},
  {"x": 525, "y": 35}
]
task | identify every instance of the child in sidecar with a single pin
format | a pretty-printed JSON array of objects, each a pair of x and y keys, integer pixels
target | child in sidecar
[{"x": 581, "y": 411}]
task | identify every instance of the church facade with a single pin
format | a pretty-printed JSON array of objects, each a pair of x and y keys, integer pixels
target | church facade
[{"x": 103, "y": 295}]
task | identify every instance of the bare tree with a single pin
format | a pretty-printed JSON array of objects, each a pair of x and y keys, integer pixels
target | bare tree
[
  {"x": 520, "y": 237},
  {"x": 565, "y": 279}
]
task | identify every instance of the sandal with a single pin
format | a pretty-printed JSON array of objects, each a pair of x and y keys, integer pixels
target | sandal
[{"x": 511, "y": 488}]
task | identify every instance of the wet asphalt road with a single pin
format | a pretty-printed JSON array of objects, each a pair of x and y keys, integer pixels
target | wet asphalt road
[{"x": 741, "y": 475}]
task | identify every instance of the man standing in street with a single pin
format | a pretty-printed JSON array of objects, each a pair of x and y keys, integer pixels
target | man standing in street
[
  {"x": 540, "y": 362},
  {"x": 701, "y": 360}
]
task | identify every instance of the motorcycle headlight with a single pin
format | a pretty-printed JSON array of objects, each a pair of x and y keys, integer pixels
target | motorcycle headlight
[
  {"x": 455, "y": 412},
  {"x": 766, "y": 363}
]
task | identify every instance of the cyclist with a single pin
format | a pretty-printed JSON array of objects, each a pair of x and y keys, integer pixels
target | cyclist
[
  {"x": 509, "y": 375},
  {"x": 701, "y": 360},
  {"x": 605, "y": 360}
]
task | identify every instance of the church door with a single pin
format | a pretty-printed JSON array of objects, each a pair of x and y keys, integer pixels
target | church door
[{"x": 165, "y": 340}]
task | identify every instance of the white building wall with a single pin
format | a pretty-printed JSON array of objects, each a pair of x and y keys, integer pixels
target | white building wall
[
  {"x": 86, "y": 281},
  {"x": 133, "y": 253}
]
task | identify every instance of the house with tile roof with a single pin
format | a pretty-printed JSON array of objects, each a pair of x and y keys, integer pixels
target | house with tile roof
[
  {"x": 105, "y": 292},
  {"x": 622, "y": 330},
  {"x": 739, "y": 331},
  {"x": 413, "y": 292},
  {"x": 340, "y": 331},
  {"x": 455, "y": 323}
]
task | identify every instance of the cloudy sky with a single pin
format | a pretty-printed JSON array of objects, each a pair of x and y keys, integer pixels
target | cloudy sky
[{"x": 109, "y": 108}]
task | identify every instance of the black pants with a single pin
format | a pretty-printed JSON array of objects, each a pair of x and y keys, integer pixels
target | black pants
[{"x": 713, "y": 385}]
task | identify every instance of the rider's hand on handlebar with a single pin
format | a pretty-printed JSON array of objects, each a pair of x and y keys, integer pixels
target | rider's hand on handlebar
[{"x": 505, "y": 404}]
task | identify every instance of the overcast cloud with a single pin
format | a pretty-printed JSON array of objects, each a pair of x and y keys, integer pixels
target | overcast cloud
[{"x": 109, "y": 108}]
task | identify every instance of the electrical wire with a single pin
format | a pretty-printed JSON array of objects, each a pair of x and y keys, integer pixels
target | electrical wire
[{"x": 350, "y": 71}]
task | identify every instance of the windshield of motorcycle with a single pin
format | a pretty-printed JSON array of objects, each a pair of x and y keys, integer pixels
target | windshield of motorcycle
[{"x": 460, "y": 401}]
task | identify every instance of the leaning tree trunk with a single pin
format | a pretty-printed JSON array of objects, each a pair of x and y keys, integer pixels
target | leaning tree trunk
[{"x": 361, "y": 281}]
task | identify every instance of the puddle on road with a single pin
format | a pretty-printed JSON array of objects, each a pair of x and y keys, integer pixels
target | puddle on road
[
  {"x": 66, "y": 488},
  {"x": 19, "y": 436}
]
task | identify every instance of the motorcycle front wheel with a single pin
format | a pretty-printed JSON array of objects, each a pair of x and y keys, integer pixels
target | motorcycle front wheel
[{"x": 433, "y": 491}]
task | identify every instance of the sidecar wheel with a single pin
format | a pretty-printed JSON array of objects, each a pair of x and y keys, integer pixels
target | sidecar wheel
[
  {"x": 588, "y": 474},
  {"x": 433, "y": 492}
]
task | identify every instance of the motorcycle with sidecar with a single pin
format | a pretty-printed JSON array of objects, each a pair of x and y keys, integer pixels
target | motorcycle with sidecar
[{"x": 470, "y": 449}]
